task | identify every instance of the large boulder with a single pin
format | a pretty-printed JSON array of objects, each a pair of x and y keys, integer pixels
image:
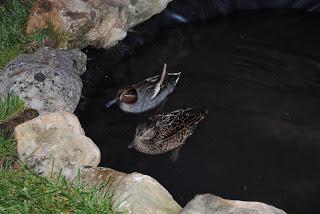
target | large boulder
[
  {"x": 211, "y": 204},
  {"x": 141, "y": 194},
  {"x": 54, "y": 142},
  {"x": 100, "y": 23},
  {"x": 48, "y": 80}
]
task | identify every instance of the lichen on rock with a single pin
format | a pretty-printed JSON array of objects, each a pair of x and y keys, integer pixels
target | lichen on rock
[{"x": 48, "y": 80}]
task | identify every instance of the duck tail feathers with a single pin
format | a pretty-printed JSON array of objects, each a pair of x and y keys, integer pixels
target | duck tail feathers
[{"x": 197, "y": 109}]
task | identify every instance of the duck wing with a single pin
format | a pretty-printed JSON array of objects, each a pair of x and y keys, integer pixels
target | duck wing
[
  {"x": 148, "y": 82},
  {"x": 153, "y": 84},
  {"x": 146, "y": 87},
  {"x": 179, "y": 122}
]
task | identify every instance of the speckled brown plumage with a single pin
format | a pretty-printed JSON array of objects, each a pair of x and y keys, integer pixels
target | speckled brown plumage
[{"x": 169, "y": 130}]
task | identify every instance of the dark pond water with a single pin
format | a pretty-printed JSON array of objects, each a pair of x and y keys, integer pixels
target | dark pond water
[{"x": 257, "y": 73}]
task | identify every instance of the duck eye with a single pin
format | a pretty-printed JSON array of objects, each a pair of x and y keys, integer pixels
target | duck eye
[{"x": 131, "y": 92}]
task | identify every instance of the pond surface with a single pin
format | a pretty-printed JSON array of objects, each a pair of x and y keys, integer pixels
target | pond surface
[{"x": 258, "y": 74}]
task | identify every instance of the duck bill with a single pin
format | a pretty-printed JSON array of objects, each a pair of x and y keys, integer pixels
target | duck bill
[
  {"x": 112, "y": 102},
  {"x": 132, "y": 144}
]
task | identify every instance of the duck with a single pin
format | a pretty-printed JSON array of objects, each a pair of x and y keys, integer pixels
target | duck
[
  {"x": 165, "y": 132},
  {"x": 147, "y": 94}
]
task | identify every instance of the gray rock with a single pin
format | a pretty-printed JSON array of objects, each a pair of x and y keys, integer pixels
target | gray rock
[
  {"x": 211, "y": 204},
  {"x": 55, "y": 142},
  {"x": 47, "y": 80},
  {"x": 140, "y": 194},
  {"x": 100, "y": 23}
]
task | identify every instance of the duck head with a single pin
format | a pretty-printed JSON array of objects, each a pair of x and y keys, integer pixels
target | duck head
[
  {"x": 128, "y": 95},
  {"x": 144, "y": 131}
]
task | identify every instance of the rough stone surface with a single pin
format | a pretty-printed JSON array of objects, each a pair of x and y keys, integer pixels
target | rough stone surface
[
  {"x": 100, "y": 23},
  {"x": 140, "y": 194},
  {"x": 53, "y": 142},
  {"x": 92, "y": 176},
  {"x": 47, "y": 80},
  {"x": 211, "y": 204},
  {"x": 97, "y": 175}
]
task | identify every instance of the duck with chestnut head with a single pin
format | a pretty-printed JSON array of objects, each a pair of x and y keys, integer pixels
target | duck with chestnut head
[
  {"x": 168, "y": 131},
  {"x": 147, "y": 94}
]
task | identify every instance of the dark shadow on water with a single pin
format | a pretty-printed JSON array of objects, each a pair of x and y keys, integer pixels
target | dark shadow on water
[{"x": 256, "y": 73}]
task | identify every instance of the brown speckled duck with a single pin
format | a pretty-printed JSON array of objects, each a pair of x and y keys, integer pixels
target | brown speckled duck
[
  {"x": 147, "y": 94},
  {"x": 168, "y": 131}
]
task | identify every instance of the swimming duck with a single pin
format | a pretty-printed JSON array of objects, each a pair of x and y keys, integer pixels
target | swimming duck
[
  {"x": 147, "y": 94},
  {"x": 168, "y": 131}
]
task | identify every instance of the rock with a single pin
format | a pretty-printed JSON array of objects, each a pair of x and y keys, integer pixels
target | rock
[
  {"x": 100, "y": 23},
  {"x": 140, "y": 194},
  {"x": 47, "y": 80},
  {"x": 211, "y": 204},
  {"x": 131, "y": 193},
  {"x": 92, "y": 176},
  {"x": 8, "y": 126},
  {"x": 53, "y": 142}
]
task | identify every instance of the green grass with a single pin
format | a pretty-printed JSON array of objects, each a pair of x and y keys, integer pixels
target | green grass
[
  {"x": 27, "y": 192},
  {"x": 10, "y": 106},
  {"x": 8, "y": 148},
  {"x": 13, "y": 40}
]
